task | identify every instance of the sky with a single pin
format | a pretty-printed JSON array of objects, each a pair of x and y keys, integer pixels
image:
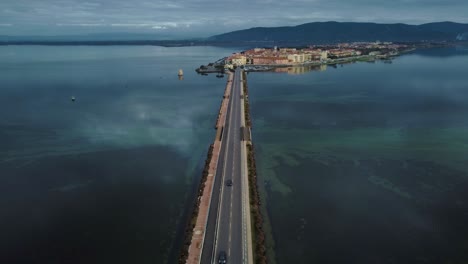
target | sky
[{"x": 203, "y": 18}]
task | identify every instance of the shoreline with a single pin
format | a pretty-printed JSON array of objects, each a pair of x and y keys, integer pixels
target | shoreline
[{"x": 219, "y": 67}]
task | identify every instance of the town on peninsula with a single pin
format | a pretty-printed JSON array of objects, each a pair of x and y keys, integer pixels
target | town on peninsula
[{"x": 294, "y": 60}]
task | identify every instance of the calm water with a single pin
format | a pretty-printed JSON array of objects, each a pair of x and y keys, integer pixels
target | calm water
[
  {"x": 366, "y": 163},
  {"x": 107, "y": 178}
]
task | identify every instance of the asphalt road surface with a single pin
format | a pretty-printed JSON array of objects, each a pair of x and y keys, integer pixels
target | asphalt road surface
[{"x": 224, "y": 227}]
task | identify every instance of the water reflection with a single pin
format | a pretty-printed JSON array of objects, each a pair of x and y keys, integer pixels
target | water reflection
[
  {"x": 87, "y": 181},
  {"x": 294, "y": 70}
]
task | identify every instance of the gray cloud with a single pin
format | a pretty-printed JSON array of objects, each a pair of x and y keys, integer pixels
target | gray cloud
[{"x": 205, "y": 17}]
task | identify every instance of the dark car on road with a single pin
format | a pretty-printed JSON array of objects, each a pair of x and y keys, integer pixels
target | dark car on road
[
  {"x": 222, "y": 258},
  {"x": 229, "y": 182}
]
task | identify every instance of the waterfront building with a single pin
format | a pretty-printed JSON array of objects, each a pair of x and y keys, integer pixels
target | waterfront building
[
  {"x": 343, "y": 53},
  {"x": 264, "y": 60},
  {"x": 296, "y": 58},
  {"x": 237, "y": 59}
]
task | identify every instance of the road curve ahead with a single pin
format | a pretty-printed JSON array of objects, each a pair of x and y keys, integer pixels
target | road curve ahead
[{"x": 224, "y": 226}]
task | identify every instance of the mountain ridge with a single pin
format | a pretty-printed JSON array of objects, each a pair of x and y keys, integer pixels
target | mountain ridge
[
  {"x": 307, "y": 33},
  {"x": 332, "y": 31}
]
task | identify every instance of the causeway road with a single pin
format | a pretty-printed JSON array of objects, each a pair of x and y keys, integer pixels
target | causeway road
[{"x": 226, "y": 220}]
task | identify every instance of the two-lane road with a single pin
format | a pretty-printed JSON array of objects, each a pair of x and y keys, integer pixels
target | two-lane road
[{"x": 224, "y": 227}]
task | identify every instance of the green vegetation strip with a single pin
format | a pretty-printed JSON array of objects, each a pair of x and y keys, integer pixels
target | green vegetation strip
[
  {"x": 193, "y": 218},
  {"x": 257, "y": 230},
  {"x": 248, "y": 122}
]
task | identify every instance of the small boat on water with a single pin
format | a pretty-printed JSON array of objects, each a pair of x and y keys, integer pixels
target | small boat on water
[
  {"x": 73, "y": 98},
  {"x": 181, "y": 72}
]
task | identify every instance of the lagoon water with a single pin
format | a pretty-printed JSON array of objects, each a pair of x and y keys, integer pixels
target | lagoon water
[
  {"x": 107, "y": 178},
  {"x": 365, "y": 162}
]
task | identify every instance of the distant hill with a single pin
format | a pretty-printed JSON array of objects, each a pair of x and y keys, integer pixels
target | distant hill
[
  {"x": 310, "y": 33},
  {"x": 116, "y": 36},
  {"x": 332, "y": 32}
]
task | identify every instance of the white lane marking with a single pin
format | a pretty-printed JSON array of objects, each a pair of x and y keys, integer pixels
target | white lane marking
[
  {"x": 220, "y": 208},
  {"x": 244, "y": 188},
  {"x": 245, "y": 191},
  {"x": 244, "y": 222},
  {"x": 232, "y": 175},
  {"x": 232, "y": 193},
  {"x": 236, "y": 147}
]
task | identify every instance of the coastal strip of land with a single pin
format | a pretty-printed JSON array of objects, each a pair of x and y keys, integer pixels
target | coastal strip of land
[{"x": 278, "y": 58}]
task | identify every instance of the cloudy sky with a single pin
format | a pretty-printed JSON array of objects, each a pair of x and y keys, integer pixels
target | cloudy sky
[{"x": 202, "y": 18}]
